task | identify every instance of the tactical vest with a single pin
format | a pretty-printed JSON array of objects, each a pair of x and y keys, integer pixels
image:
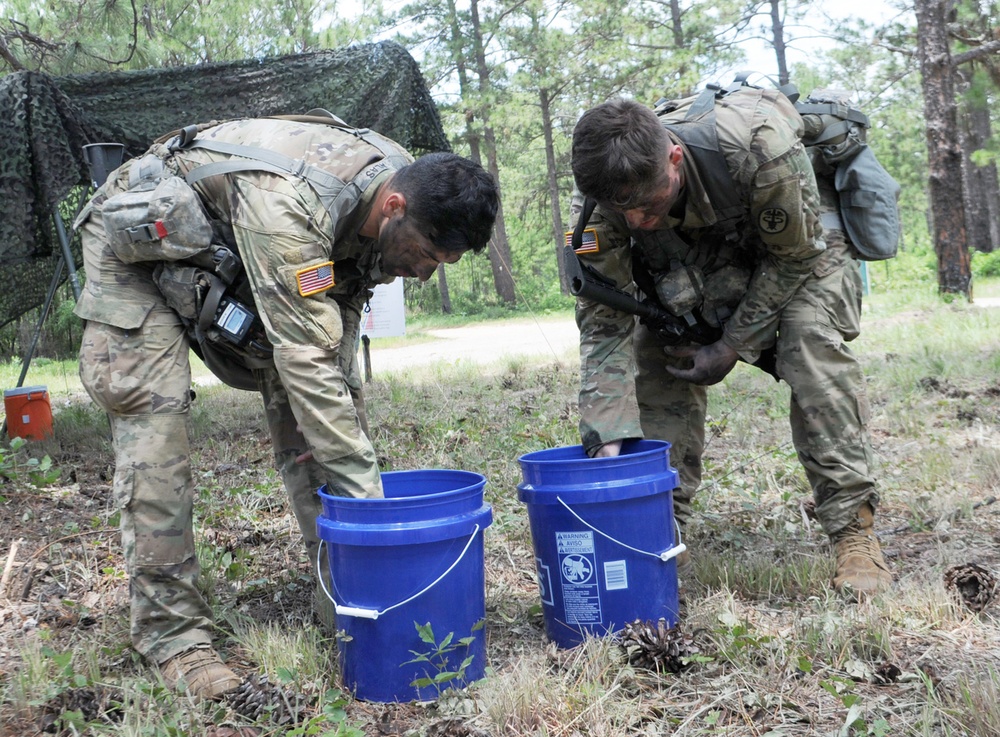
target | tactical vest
[
  {"x": 864, "y": 203},
  {"x": 199, "y": 273},
  {"x": 698, "y": 284}
]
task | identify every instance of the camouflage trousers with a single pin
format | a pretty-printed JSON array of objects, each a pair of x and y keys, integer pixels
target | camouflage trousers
[
  {"x": 829, "y": 405},
  {"x": 142, "y": 379}
]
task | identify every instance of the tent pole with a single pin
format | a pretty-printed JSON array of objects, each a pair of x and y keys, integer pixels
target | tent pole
[
  {"x": 67, "y": 254},
  {"x": 53, "y": 285}
]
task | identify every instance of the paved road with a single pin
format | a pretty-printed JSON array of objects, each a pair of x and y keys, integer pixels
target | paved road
[{"x": 556, "y": 339}]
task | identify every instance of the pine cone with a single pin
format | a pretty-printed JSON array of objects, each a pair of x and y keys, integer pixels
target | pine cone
[
  {"x": 95, "y": 703},
  {"x": 656, "y": 646},
  {"x": 260, "y": 700},
  {"x": 971, "y": 585},
  {"x": 886, "y": 674}
]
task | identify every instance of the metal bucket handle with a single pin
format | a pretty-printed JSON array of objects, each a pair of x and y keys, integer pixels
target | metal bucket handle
[{"x": 363, "y": 613}]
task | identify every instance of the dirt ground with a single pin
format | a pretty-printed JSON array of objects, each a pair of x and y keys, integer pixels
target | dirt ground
[{"x": 61, "y": 570}]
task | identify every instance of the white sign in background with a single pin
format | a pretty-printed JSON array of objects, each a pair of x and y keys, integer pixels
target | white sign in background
[{"x": 385, "y": 314}]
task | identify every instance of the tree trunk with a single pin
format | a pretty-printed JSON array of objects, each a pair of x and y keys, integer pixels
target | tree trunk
[
  {"x": 982, "y": 189},
  {"x": 500, "y": 259},
  {"x": 778, "y": 41},
  {"x": 977, "y": 216},
  {"x": 558, "y": 230},
  {"x": 443, "y": 288},
  {"x": 944, "y": 154}
]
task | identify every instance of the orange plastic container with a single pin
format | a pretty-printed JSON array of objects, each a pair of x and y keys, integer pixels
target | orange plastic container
[{"x": 29, "y": 412}]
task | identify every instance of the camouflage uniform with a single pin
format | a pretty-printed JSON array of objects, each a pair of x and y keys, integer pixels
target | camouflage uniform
[
  {"x": 134, "y": 356},
  {"x": 782, "y": 282}
]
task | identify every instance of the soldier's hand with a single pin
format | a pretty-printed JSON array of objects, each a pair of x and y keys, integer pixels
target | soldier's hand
[
  {"x": 705, "y": 365},
  {"x": 608, "y": 450},
  {"x": 308, "y": 455}
]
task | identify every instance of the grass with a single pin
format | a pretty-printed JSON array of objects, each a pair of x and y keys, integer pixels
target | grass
[{"x": 780, "y": 654}]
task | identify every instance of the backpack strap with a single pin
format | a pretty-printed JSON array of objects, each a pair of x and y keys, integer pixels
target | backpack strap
[
  {"x": 699, "y": 133},
  {"x": 331, "y": 189}
]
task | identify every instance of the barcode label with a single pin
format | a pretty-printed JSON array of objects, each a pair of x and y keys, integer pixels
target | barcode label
[{"x": 615, "y": 575}]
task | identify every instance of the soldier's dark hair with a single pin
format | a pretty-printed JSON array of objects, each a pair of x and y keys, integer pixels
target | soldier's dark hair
[
  {"x": 619, "y": 150},
  {"x": 455, "y": 199}
]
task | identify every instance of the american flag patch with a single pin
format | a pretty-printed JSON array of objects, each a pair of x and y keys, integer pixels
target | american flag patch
[
  {"x": 315, "y": 279},
  {"x": 589, "y": 242}
]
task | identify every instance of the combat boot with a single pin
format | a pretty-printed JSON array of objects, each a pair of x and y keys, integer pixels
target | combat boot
[
  {"x": 861, "y": 569},
  {"x": 199, "y": 673}
]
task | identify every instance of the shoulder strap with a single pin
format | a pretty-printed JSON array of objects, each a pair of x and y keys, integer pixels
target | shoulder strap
[
  {"x": 331, "y": 189},
  {"x": 699, "y": 133}
]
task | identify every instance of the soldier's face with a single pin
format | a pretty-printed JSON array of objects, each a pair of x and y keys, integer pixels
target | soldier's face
[
  {"x": 406, "y": 251},
  {"x": 651, "y": 213}
]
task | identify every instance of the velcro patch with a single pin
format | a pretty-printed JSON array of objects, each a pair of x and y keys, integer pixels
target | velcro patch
[
  {"x": 315, "y": 279},
  {"x": 588, "y": 243}
]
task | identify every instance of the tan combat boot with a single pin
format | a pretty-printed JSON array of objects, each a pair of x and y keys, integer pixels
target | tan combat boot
[
  {"x": 861, "y": 569},
  {"x": 200, "y": 673}
]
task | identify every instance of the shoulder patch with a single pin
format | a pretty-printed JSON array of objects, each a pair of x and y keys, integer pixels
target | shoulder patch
[
  {"x": 772, "y": 220},
  {"x": 589, "y": 242},
  {"x": 315, "y": 279}
]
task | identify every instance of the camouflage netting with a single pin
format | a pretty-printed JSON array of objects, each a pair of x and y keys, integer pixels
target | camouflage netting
[{"x": 378, "y": 86}]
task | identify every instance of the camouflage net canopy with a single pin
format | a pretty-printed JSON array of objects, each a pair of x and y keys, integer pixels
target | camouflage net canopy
[{"x": 42, "y": 166}]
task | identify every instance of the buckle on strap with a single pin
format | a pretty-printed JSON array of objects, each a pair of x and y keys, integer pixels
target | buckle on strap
[{"x": 146, "y": 232}]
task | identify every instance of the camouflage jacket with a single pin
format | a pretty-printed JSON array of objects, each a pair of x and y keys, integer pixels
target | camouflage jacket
[
  {"x": 285, "y": 237},
  {"x": 748, "y": 274}
]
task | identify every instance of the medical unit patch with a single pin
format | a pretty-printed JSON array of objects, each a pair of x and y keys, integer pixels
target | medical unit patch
[{"x": 315, "y": 279}]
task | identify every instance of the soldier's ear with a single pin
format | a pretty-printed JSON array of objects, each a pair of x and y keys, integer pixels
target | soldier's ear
[
  {"x": 394, "y": 205},
  {"x": 675, "y": 154}
]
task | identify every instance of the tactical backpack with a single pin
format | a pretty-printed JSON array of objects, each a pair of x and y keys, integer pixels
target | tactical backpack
[{"x": 835, "y": 139}]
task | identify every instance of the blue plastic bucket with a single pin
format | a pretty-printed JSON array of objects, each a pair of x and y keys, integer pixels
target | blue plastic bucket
[
  {"x": 603, "y": 534},
  {"x": 412, "y": 558}
]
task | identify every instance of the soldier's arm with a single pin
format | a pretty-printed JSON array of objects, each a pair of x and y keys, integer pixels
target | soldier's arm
[
  {"x": 282, "y": 249},
  {"x": 784, "y": 210},
  {"x": 608, "y": 407}
]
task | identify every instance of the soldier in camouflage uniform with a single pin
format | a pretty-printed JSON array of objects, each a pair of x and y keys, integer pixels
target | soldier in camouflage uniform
[
  {"x": 773, "y": 281},
  {"x": 393, "y": 217}
]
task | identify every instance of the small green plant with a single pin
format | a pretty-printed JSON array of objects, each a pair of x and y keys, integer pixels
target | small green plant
[
  {"x": 16, "y": 464},
  {"x": 438, "y": 658},
  {"x": 331, "y": 720},
  {"x": 854, "y": 723}
]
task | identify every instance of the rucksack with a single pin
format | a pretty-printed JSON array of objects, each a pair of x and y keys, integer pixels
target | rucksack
[
  {"x": 868, "y": 193},
  {"x": 835, "y": 138}
]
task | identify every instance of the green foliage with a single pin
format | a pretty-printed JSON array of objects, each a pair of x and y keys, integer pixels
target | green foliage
[
  {"x": 331, "y": 721},
  {"x": 16, "y": 464},
  {"x": 440, "y": 657},
  {"x": 90, "y": 35},
  {"x": 985, "y": 264}
]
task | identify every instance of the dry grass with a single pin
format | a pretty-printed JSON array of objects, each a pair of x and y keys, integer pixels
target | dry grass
[{"x": 781, "y": 655}]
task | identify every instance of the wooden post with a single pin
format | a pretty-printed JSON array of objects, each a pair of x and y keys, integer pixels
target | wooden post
[{"x": 366, "y": 353}]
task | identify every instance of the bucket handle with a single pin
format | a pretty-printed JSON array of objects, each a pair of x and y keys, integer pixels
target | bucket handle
[
  {"x": 666, "y": 555},
  {"x": 363, "y": 613}
]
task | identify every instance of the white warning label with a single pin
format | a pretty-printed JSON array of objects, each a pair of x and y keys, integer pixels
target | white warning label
[{"x": 578, "y": 575}]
